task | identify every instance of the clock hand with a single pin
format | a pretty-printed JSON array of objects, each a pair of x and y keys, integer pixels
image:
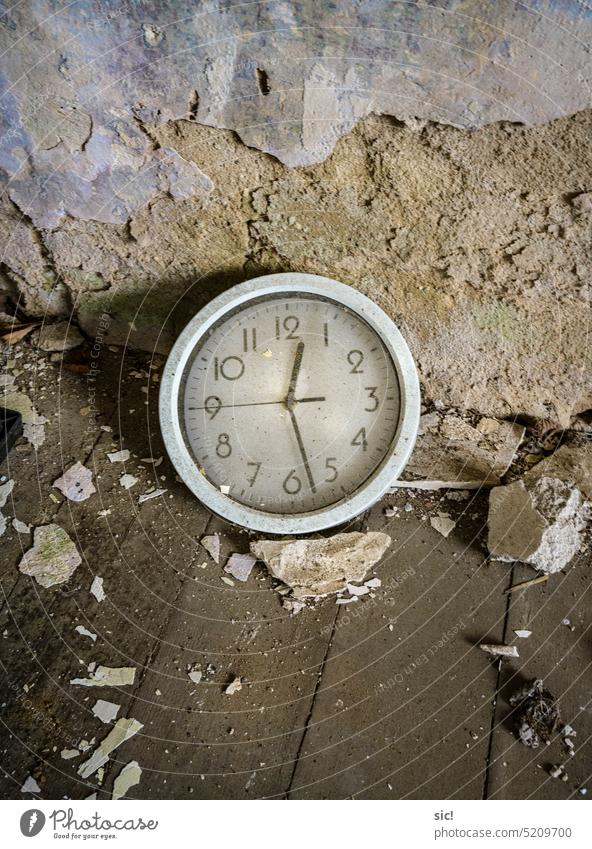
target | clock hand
[
  {"x": 263, "y": 403},
  {"x": 294, "y": 375},
  {"x": 302, "y": 449}
]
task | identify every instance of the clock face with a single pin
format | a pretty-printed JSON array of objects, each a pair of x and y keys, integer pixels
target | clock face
[{"x": 289, "y": 403}]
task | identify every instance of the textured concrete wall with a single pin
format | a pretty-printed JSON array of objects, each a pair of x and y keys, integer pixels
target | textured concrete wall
[{"x": 466, "y": 214}]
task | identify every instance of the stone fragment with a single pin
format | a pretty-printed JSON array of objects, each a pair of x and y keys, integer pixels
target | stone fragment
[
  {"x": 451, "y": 451},
  {"x": 96, "y": 588},
  {"x": 499, "y": 651},
  {"x": 129, "y": 776},
  {"x": 76, "y": 483},
  {"x": 211, "y": 543},
  {"x": 53, "y": 559},
  {"x": 127, "y": 481},
  {"x": 537, "y": 522},
  {"x": 571, "y": 463},
  {"x": 523, "y": 633},
  {"x": 124, "y": 729},
  {"x": 30, "y": 785},
  {"x": 85, "y": 632},
  {"x": 118, "y": 456},
  {"x": 69, "y": 754},
  {"x": 235, "y": 685},
  {"x": 60, "y": 337},
  {"x": 108, "y": 676},
  {"x": 21, "y": 527},
  {"x": 153, "y": 493},
  {"x": 33, "y": 423},
  {"x": 240, "y": 566},
  {"x": 195, "y": 674},
  {"x": 5, "y": 490},
  {"x": 442, "y": 523},
  {"x": 105, "y": 711},
  {"x": 318, "y": 567}
]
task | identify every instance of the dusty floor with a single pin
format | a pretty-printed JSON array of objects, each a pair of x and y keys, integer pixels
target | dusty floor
[{"x": 385, "y": 698}]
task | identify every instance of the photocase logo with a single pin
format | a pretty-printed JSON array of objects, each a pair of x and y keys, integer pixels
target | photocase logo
[{"x": 32, "y": 822}]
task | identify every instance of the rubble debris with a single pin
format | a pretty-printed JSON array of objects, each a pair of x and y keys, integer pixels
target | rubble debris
[
  {"x": 227, "y": 581},
  {"x": 119, "y": 456},
  {"x": 2, "y": 524},
  {"x": 499, "y": 651},
  {"x": 293, "y": 605},
  {"x": 240, "y": 566},
  {"x": 539, "y": 523},
  {"x": 211, "y": 543},
  {"x": 69, "y": 754},
  {"x": 59, "y": 337},
  {"x": 571, "y": 463},
  {"x": 30, "y": 785},
  {"x": 353, "y": 590},
  {"x": 523, "y": 634},
  {"x": 85, "y": 632},
  {"x": 442, "y": 523},
  {"x": 194, "y": 672},
  {"x": 129, "y": 776},
  {"x": 21, "y": 527},
  {"x": 96, "y": 588},
  {"x": 235, "y": 685},
  {"x": 558, "y": 771},
  {"x": 452, "y": 453},
  {"x": 108, "y": 676},
  {"x": 5, "y": 490},
  {"x": 152, "y": 493},
  {"x": 123, "y": 729},
  {"x": 76, "y": 483},
  {"x": 318, "y": 567},
  {"x": 537, "y": 717},
  {"x": 53, "y": 559},
  {"x": 127, "y": 481},
  {"x": 105, "y": 711},
  {"x": 33, "y": 423}
]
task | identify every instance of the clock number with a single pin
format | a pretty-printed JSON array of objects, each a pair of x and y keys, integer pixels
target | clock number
[
  {"x": 292, "y": 483},
  {"x": 246, "y": 339},
  {"x": 290, "y": 324},
  {"x": 371, "y": 390},
  {"x": 253, "y": 477},
  {"x": 330, "y": 467},
  {"x": 231, "y": 368},
  {"x": 355, "y": 359},
  {"x": 360, "y": 439},
  {"x": 223, "y": 448},
  {"x": 212, "y": 406}
]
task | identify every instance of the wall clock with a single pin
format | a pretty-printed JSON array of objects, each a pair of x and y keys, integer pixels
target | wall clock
[{"x": 290, "y": 404}]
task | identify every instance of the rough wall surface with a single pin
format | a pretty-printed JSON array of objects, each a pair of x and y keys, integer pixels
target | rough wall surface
[{"x": 118, "y": 199}]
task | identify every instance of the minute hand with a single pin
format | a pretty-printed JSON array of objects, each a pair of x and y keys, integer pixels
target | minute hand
[{"x": 302, "y": 450}]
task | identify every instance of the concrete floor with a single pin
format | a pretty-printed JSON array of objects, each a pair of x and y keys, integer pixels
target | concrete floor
[{"x": 385, "y": 698}]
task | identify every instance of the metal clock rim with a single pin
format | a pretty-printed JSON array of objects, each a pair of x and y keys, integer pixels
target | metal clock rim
[{"x": 377, "y": 485}]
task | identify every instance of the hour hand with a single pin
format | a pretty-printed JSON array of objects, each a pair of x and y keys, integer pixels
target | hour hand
[{"x": 290, "y": 397}]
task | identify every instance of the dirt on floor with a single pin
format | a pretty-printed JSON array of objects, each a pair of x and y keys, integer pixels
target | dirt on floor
[{"x": 233, "y": 695}]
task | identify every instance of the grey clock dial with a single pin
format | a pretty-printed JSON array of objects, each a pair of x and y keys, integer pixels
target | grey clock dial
[{"x": 284, "y": 402}]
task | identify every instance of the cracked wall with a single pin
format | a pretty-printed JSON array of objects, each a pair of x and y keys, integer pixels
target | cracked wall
[{"x": 137, "y": 179}]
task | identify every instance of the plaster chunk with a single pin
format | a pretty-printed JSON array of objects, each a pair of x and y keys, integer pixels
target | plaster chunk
[
  {"x": 536, "y": 522},
  {"x": 123, "y": 729},
  {"x": 53, "y": 559},
  {"x": 59, "y": 337},
  {"x": 450, "y": 451},
  {"x": 318, "y": 567},
  {"x": 76, "y": 483}
]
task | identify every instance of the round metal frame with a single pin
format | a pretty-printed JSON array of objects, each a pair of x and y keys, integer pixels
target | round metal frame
[{"x": 381, "y": 479}]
